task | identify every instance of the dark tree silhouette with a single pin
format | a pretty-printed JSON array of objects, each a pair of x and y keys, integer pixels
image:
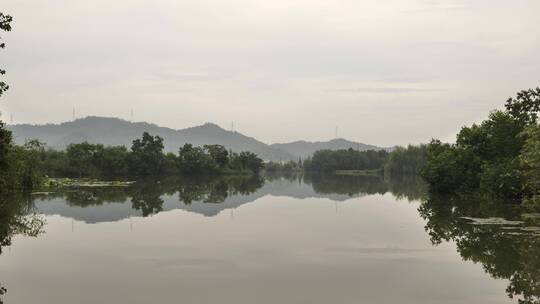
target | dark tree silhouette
[
  {"x": 5, "y": 135},
  {"x": 5, "y": 25},
  {"x": 525, "y": 106}
]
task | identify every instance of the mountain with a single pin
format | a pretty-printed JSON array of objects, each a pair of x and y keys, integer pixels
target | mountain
[
  {"x": 306, "y": 148},
  {"x": 114, "y": 131}
]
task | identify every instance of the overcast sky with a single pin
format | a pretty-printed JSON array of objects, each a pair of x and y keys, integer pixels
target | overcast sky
[{"x": 384, "y": 71}]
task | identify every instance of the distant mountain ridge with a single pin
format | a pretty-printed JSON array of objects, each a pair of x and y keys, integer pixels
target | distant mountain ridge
[{"x": 114, "y": 131}]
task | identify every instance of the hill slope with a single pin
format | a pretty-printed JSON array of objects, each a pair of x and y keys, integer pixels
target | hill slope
[{"x": 114, "y": 131}]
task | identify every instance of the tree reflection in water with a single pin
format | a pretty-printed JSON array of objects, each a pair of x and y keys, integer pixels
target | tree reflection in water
[
  {"x": 349, "y": 185},
  {"x": 17, "y": 217},
  {"x": 509, "y": 252},
  {"x": 3, "y": 291},
  {"x": 146, "y": 196},
  {"x": 506, "y": 252}
]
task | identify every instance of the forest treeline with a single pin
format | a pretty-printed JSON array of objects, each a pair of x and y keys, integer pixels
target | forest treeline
[
  {"x": 26, "y": 167},
  {"x": 401, "y": 161},
  {"x": 334, "y": 160},
  {"x": 498, "y": 158}
]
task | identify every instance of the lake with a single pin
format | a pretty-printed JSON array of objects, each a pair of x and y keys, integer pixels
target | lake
[{"x": 295, "y": 239}]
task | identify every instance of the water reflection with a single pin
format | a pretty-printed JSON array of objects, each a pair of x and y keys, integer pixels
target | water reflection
[
  {"x": 17, "y": 217},
  {"x": 348, "y": 185},
  {"x": 342, "y": 187},
  {"x": 506, "y": 250},
  {"x": 146, "y": 198}
]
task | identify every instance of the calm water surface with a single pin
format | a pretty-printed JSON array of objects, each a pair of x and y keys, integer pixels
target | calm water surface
[{"x": 296, "y": 240}]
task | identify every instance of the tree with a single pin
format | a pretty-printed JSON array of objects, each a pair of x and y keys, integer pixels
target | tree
[
  {"x": 525, "y": 106},
  {"x": 5, "y": 25},
  {"x": 345, "y": 159},
  {"x": 219, "y": 154},
  {"x": 5, "y": 143},
  {"x": 111, "y": 161},
  {"x": 496, "y": 158},
  {"x": 496, "y": 143},
  {"x": 250, "y": 161},
  {"x": 32, "y": 171},
  {"x": 147, "y": 157},
  {"x": 449, "y": 168},
  {"x": 81, "y": 159},
  {"x": 406, "y": 161},
  {"x": 195, "y": 160},
  {"x": 530, "y": 164},
  {"x": 496, "y": 137},
  {"x": 5, "y": 135}
]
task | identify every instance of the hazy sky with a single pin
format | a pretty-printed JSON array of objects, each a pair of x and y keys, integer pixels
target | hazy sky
[{"x": 384, "y": 71}]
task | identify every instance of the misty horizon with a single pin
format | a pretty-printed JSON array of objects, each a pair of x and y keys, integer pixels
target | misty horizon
[
  {"x": 230, "y": 128},
  {"x": 285, "y": 151},
  {"x": 389, "y": 73}
]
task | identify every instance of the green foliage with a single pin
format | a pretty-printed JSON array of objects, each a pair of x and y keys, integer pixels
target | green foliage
[
  {"x": 275, "y": 167},
  {"x": 56, "y": 164},
  {"x": 218, "y": 154},
  {"x": 194, "y": 160},
  {"x": 502, "y": 178},
  {"x": 29, "y": 164},
  {"x": 112, "y": 161},
  {"x": 5, "y": 135},
  {"x": 81, "y": 159},
  {"x": 525, "y": 106},
  {"x": 532, "y": 202},
  {"x": 147, "y": 158},
  {"x": 5, "y": 144},
  {"x": 19, "y": 166},
  {"x": 216, "y": 159},
  {"x": 530, "y": 164},
  {"x": 401, "y": 161},
  {"x": 450, "y": 168},
  {"x": 246, "y": 161},
  {"x": 27, "y": 167},
  {"x": 86, "y": 160},
  {"x": 23, "y": 170},
  {"x": 333, "y": 160},
  {"x": 5, "y": 25},
  {"x": 530, "y": 158},
  {"x": 497, "y": 137},
  {"x": 406, "y": 161},
  {"x": 498, "y": 157}
]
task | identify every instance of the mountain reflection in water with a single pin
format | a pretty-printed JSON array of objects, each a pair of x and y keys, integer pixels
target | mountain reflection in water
[{"x": 510, "y": 252}]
